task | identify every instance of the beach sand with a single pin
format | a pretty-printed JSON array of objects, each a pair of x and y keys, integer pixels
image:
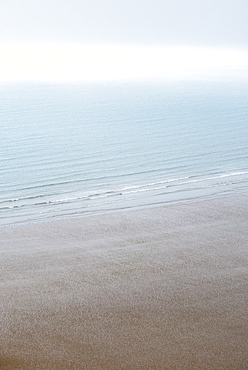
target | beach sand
[{"x": 158, "y": 288}]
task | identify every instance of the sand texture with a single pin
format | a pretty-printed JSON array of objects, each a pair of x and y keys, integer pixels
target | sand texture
[{"x": 160, "y": 288}]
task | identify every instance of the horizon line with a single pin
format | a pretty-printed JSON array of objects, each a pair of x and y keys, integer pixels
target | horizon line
[{"x": 91, "y": 62}]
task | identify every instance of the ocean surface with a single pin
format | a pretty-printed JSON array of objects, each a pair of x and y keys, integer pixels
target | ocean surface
[{"x": 71, "y": 150}]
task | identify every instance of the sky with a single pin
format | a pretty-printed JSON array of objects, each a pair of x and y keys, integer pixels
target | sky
[{"x": 70, "y": 39}]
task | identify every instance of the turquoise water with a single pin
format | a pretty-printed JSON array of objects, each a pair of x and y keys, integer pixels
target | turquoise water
[{"x": 75, "y": 150}]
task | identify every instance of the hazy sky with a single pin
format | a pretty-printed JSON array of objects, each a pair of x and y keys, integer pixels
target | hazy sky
[
  {"x": 212, "y": 24},
  {"x": 159, "y": 22}
]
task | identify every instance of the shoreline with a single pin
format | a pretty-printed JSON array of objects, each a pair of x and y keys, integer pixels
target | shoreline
[
  {"x": 154, "y": 288},
  {"x": 99, "y": 213}
]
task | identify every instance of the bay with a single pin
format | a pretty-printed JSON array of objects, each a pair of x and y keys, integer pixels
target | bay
[{"x": 69, "y": 150}]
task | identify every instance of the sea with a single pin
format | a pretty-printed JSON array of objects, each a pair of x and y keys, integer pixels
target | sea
[{"x": 80, "y": 149}]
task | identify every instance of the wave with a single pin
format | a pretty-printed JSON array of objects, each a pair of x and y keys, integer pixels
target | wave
[{"x": 85, "y": 199}]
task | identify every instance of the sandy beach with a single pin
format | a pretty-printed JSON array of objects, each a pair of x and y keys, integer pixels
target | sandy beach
[{"x": 158, "y": 288}]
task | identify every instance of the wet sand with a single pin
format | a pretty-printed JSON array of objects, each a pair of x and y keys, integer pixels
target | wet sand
[{"x": 160, "y": 288}]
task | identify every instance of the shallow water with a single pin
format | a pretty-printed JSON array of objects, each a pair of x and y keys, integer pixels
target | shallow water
[{"x": 72, "y": 150}]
